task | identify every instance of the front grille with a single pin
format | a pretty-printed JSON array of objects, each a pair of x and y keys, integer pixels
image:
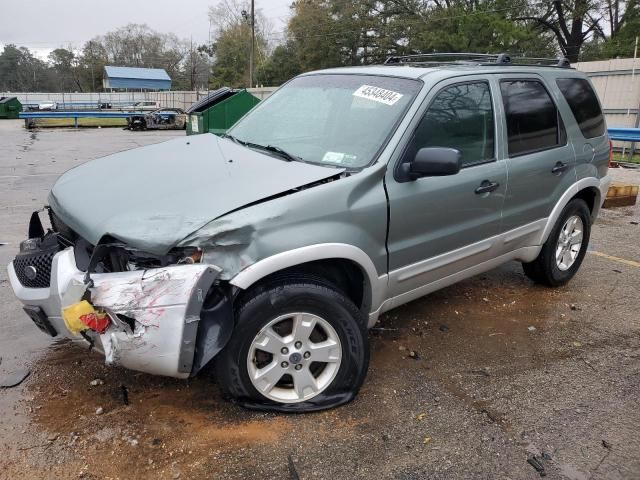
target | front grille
[{"x": 41, "y": 261}]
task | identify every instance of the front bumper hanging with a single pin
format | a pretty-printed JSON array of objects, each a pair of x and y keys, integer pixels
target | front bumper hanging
[{"x": 156, "y": 315}]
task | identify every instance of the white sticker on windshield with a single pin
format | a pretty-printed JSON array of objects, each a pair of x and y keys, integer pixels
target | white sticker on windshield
[
  {"x": 333, "y": 157},
  {"x": 377, "y": 94},
  {"x": 339, "y": 157}
]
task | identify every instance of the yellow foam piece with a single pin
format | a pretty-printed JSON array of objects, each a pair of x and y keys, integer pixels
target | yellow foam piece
[{"x": 72, "y": 314}]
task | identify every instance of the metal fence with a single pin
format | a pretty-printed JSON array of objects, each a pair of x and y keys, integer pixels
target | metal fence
[
  {"x": 617, "y": 83},
  {"x": 168, "y": 99}
]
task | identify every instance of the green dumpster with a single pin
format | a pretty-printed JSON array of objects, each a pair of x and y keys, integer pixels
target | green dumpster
[
  {"x": 10, "y": 107},
  {"x": 219, "y": 110}
]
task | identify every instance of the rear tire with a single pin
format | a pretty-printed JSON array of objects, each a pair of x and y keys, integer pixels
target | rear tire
[
  {"x": 562, "y": 255},
  {"x": 284, "y": 331}
]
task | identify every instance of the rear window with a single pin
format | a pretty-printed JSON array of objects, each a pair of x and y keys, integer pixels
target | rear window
[
  {"x": 584, "y": 105},
  {"x": 533, "y": 122}
]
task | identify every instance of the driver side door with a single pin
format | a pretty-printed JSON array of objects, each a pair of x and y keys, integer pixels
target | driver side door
[{"x": 441, "y": 225}]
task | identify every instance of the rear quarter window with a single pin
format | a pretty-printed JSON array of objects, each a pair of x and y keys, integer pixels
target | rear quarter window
[{"x": 584, "y": 104}]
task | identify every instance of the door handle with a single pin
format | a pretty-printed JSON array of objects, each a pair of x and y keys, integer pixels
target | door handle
[
  {"x": 559, "y": 168},
  {"x": 487, "y": 186}
]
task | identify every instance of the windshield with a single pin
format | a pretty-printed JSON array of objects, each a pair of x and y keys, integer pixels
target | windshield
[{"x": 340, "y": 120}]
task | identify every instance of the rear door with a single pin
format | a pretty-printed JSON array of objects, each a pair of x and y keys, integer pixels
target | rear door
[
  {"x": 440, "y": 225},
  {"x": 540, "y": 160}
]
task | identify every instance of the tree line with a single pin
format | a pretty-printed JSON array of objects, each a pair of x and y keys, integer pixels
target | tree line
[
  {"x": 330, "y": 33},
  {"x": 69, "y": 70},
  {"x": 326, "y": 33}
]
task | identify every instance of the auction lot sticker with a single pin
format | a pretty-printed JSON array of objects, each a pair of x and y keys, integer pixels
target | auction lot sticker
[{"x": 377, "y": 94}]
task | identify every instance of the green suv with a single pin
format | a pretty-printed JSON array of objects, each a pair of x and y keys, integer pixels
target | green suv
[{"x": 347, "y": 193}]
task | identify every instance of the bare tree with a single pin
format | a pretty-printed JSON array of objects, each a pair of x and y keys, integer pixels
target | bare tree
[{"x": 572, "y": 22}]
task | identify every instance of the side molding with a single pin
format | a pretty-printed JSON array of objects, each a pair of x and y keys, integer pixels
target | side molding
[{"x": 322, "y": 251}]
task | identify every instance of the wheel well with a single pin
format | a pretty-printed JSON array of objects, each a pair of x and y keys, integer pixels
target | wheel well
[
  {"x": 346, "y": 275},
  {"x": 589, "y": 195}
]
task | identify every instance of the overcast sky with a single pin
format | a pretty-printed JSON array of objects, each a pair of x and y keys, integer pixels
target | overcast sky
[{"x": 43, "y": 25}]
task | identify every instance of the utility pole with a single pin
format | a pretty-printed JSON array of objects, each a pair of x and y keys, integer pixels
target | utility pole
[
  {"x": 192, "y": 79},
  {"x": 209, "y": 55},
  {"x": 93, "y": 78},
  {"x": 253, "y": 42},
  {"x": 252, "y": 24}
]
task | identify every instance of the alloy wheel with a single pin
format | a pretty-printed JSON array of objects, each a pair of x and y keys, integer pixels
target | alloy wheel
[
  {"x": 569, "y": 242},
  {"x": 294, "y": 357}
]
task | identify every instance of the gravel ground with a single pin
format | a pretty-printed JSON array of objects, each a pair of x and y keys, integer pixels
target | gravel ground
[{"x": 466, "y": 383}]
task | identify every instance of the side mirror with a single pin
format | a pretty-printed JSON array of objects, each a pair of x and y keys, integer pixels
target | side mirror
[{"x": 435, "y": 162}]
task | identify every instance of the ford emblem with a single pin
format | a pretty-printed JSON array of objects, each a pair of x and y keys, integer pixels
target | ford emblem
[{"x": 30, "y": 272}]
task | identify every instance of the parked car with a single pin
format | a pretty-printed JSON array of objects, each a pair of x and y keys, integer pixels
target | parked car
[
  {"x": 47, "y": 106},
  {"x": 141, "y": 106},
  {"x": 346, "y": 193},
  {"x": 161, "y": 119}
]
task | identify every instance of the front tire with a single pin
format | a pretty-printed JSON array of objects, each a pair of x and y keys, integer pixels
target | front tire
[
  {"x": 298, "y": 345},
  {"x": 564, "y": 250}
]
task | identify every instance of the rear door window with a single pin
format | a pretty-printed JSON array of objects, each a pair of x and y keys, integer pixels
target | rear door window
[
  {"x": 533, "y": 121},
  {"x": 584, "y": 104}
]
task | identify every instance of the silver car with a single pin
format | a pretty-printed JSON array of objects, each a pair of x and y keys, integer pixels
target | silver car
[{"x": 345, "y": 194}]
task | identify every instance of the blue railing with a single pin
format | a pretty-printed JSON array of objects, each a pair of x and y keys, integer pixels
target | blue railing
[
  {"x": 93, "y": 105},
  {"x": 76, "y": 115},
  {"x": 624, "y": 134}
]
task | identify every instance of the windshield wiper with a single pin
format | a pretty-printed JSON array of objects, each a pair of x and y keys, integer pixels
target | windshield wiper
[
  {"x": 283, "y": 153},
  {"x": 234, "y": 139},
  {"x": 289, "y": 157}
]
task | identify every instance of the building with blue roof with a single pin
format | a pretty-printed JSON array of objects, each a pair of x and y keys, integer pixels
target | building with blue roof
[{"x": 135, "y": 79}]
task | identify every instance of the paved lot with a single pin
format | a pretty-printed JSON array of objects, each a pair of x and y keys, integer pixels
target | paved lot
[{"x": 503, "y": 370}]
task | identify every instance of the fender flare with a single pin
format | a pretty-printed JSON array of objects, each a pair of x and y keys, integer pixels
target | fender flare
[
  {"x": 600, "y": 184},
  {"x": 322, "y": 251}
]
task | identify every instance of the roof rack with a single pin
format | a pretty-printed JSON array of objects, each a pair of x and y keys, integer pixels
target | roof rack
[{"x": 482, "y": 59}]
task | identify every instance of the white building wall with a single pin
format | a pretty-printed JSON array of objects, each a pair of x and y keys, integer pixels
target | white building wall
[{"x": 617, "y": 83}]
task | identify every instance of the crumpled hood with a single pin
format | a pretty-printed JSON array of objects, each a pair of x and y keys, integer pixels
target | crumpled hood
[{"x": 153, "y": 197}]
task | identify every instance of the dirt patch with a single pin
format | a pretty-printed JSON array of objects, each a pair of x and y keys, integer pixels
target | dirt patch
[
  {"x": 164, "y": 418},
  {"x": 168, "y": 426}
]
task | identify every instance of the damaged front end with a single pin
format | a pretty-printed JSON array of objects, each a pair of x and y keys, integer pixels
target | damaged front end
[{"x": 159, "y": 314}]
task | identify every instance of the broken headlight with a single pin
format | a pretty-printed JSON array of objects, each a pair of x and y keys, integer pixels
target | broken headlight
[
  {"x": 138, "y": 260},
  {"x": 117, "y": 257},
  {"x": 189, "y": 257}
]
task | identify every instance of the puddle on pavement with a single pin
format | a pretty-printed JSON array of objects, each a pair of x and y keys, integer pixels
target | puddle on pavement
[
  {"x": 33, "y": 137},
  {"x": 496, "y": 321}
]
